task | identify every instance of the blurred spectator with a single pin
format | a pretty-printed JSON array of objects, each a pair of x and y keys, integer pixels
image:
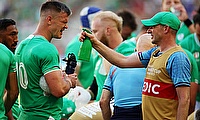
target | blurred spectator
[
  {"x": 129, "y": 24},
  {"x": 176, "y": 7},
  {"x": 191, "y": 43}
]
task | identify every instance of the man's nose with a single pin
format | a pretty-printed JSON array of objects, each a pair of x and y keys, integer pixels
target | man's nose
[{"x": 149, "y": 30}]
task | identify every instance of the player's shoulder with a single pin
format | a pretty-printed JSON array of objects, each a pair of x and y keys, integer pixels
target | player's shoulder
[
  {"x": 5, "y": 51},
  {"x": 188, "y": 39},
  {"x": 41, "y": 44},
  {"x": 179, "y": 56}
]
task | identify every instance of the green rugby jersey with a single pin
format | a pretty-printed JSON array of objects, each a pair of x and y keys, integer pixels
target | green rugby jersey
[
  {"x": 192, "y": 44},
  {"x": 194, "y": 67},
  {"x": 35, "y": 57},
  {"x": 182, "y": 33},
  {"x": 7, "y": 65}
]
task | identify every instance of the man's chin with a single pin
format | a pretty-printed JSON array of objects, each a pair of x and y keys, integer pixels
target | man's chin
[
  {"x": 56, "y": 37},
  {"x": 153, "y": 42}
]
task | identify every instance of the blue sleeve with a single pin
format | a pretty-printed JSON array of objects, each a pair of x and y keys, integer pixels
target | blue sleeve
[
  {"x": 108, "y": 82},
  {"x": 146, "y": 55},
  {"x": 178, "y": 67}
]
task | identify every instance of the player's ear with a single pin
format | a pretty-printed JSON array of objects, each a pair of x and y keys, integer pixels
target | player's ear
[
  {"x": 108, "y": 30},
  {"x": 49, "y": 19}
]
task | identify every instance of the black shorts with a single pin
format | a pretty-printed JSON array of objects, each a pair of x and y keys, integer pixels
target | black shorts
[{"x": 134, "y": 113}]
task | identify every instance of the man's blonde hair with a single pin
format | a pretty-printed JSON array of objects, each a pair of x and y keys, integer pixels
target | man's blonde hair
[{"x": 110, "y": 17}]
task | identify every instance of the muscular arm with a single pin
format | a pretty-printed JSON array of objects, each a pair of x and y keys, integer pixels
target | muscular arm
[
  {"x": 193, "y": 94},
  {"x": 11, "y": 91},
  {"x": 112, "y": 56},
  {"x": 183, "y": 93},
  {"x": 105, "y": 104},
  {"x": 58, "y": 85}
]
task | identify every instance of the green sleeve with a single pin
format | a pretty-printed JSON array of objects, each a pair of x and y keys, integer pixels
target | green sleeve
[{"x": 194, "y": 67}]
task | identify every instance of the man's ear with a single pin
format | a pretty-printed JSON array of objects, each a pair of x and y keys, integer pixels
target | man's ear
[
  {"x": 108, "y": 31},
  {"x": 166, "y": 29},
  {"x": 48, "y": 19}
]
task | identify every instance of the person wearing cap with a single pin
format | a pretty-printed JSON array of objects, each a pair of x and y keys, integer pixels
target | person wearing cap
[
  {"x": 84, "y": 80},
  {"x": 186, "y": 29},
  {"x": 166, "y": 89},
  {"x": 121, "y": 80}
]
